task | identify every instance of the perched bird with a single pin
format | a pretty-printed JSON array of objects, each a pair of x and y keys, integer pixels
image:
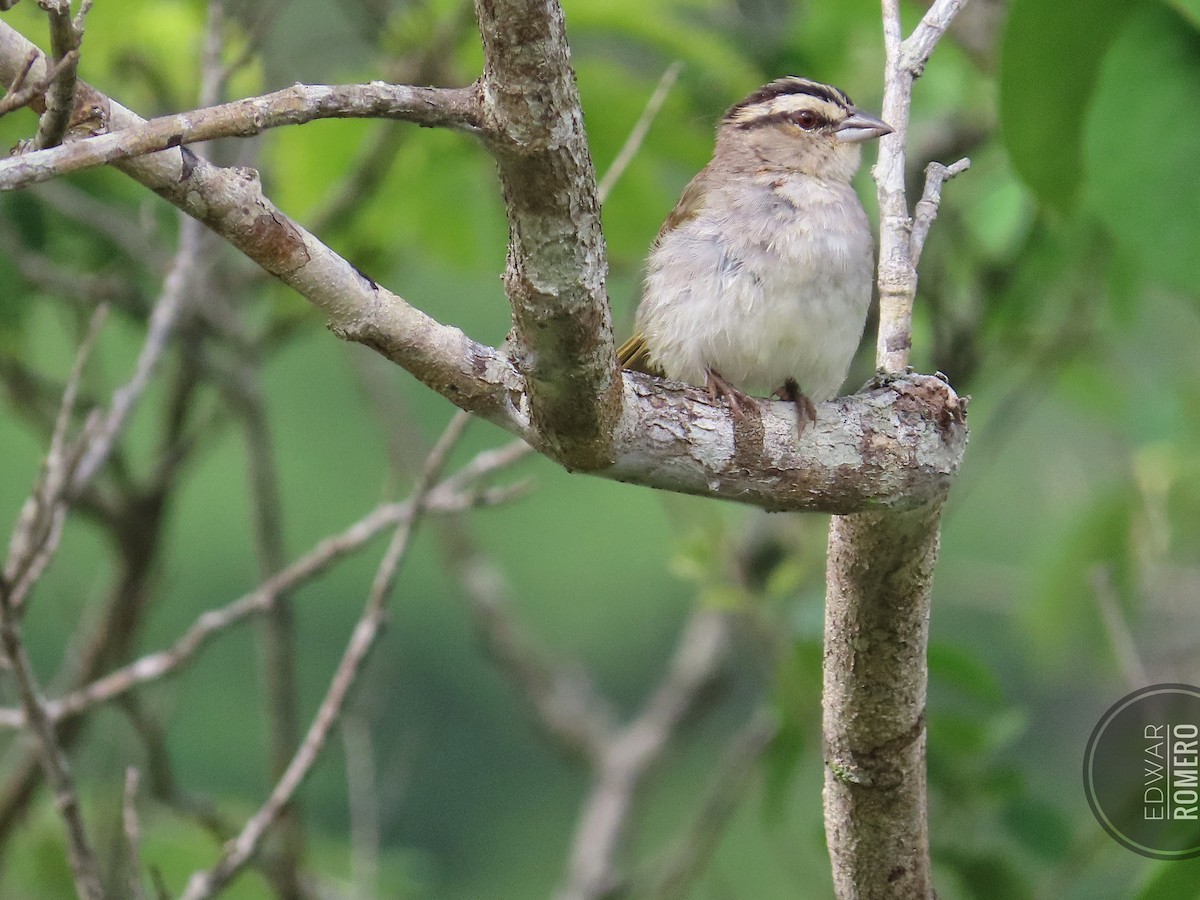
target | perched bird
[{"x": 760, "y": 278}]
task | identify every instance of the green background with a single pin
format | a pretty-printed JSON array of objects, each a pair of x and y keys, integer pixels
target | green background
[{"x": 1060, "y": 289}]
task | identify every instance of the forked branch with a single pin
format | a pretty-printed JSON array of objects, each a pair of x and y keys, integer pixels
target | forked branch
[
  {"x": 659, "y": 435},
  {"x": 880, "y": 565}
]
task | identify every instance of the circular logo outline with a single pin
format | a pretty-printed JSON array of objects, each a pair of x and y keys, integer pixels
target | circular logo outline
[{"x": 1101, "y": 815}]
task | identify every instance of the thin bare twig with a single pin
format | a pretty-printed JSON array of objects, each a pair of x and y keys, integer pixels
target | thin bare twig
[
  {"x": 66, "y": 34},
  {"x": 629, "y": 753},
  {"x": 633, "y": 143},
  {"x": 905, "y": 61},
  {"x": 40, "y": 522},
  {"x": 133, "y": 834},
  {"x": 134, "y": 516},
  {"x": 239, "y": 851},
  {"x": 278, "y": 637},
  {"x": 18, "y": 80},
  {"x": 36, "y": 538},
  {"x": 926, "y": 209},
  {"x": 295, "y": 105},
  {"x": 164, "y": 787},
  {"x": 362, "y": 791},
  {"x": 84, "y": 865},
  {"x": 919, "y": 46},
  {"x": 158, "y": 333},
  {"x": 693, "y": 849},
  {"x": 157, "y": 665},
  {"x": 20, "y": 94}
]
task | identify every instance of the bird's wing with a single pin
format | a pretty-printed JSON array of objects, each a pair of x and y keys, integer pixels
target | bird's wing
[
  {"x": 635, "y": 356},
  {"x": 691, "y": 201}
]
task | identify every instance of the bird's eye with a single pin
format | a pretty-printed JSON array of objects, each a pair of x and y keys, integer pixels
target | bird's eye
[{"x": 806, "y": 119}]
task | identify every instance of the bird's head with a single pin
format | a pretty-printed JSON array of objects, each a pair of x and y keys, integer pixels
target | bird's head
[{"x": 799, "y": 125}]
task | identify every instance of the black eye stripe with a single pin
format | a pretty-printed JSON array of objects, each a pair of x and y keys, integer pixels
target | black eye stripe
[{"x": 782, "y": 118}]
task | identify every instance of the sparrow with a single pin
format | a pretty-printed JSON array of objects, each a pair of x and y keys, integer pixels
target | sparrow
[{"x": 760, "y": 278}]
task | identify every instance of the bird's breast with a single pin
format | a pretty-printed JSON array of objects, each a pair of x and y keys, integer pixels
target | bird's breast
[{"x": 772, "y": 286}]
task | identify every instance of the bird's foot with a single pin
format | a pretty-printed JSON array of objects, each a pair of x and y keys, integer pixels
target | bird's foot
[
  {"x": 805, "y": 410},
  {"x": 719, "y": 387}
]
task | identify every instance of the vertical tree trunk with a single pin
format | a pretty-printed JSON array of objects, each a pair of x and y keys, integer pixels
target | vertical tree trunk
[{"x": 879, "y": 575}]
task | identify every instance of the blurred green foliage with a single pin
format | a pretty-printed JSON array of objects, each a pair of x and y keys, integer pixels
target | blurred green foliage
[{"x": 1060, "y": 288}]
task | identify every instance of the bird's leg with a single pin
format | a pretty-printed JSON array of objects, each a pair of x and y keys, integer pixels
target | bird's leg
[
  {"x": 805, "y": 410},
  {"x": 719, "y": 387}
]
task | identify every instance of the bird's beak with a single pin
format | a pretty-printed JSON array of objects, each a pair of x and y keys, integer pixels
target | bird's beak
[{"x": 860, "y": 126}]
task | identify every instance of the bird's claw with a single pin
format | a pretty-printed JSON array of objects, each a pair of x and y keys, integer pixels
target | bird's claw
[
  {"x": 718, "y": 387},
  {"x": 806, "y": 411}
]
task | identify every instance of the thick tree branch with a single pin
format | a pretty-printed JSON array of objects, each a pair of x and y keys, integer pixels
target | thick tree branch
[
  {"x": 556, "y": 257},
  {"x": 880, "y": 572}
]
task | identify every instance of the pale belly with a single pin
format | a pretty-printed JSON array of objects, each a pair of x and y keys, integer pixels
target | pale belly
[{"x": 759, "y": 315}]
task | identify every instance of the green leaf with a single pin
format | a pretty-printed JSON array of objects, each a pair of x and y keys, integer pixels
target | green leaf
[
  {"x": 987, "y": 876},
  {"x": 783, "y": 755},
  {"x": 1049, "y": 61},
  {"x": 956, "y": 666},
  {"x": 1039, "y": 826},
  {"x": 797, "y": 703},
  {"x": 1140, "y": 144},
  {"x": 1092, "y": 563},
  {"x": 1189, "y": 9}
]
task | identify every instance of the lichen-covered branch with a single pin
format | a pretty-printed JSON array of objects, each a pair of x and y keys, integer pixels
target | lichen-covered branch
[
  {"x": 556, "y": 257},
  {"x": 879, "y": 576}
]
